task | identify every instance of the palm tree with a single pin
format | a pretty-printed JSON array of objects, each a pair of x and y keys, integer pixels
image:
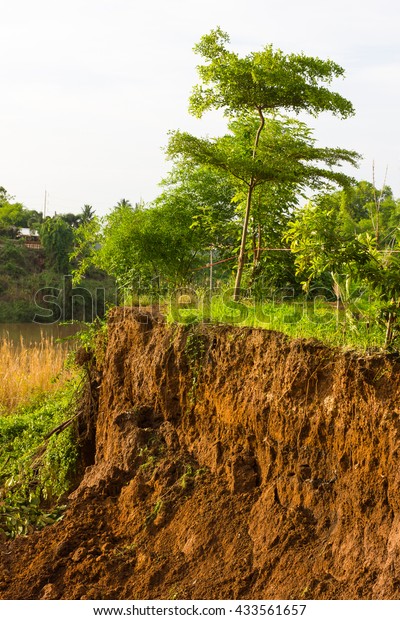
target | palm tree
[
  {"x": 124, "y": 203},
  {"x": 87, "y": 214}
]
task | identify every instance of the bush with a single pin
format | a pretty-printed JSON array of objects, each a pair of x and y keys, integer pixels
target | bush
[{"x": 38, "y": 459}]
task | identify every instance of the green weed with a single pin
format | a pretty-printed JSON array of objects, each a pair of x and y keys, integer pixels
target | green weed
[
  {"x": 195, "y": 349},
  {"x": 126, "y": 551},
  {"x": 190, "y": 475},
  {"x": 38, "y": 457},
  {"x": 154, "y": 512}
]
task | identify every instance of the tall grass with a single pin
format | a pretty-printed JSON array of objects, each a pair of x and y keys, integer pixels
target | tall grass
[{"x": 29, "y": 370}]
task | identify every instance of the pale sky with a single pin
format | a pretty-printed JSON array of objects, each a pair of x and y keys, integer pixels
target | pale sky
[{"x": 90, "y": 88}]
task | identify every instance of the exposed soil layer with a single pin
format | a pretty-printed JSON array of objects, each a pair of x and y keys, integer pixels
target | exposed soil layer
[{"x": 228, "y": 463}]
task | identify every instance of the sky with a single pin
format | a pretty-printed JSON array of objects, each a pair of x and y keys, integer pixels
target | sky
[{"x": 90, "y": 88}]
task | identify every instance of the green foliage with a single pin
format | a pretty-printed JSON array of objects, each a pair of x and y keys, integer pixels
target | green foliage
[
  {"x": 11, "y": 214},
  {"x": 15, "y": 215},
  {"x": 22, "y": 295},
  {"x": 209, "y": 197},
  {"x": 170, "y": 244},
  {"x": 137, "y": 244},
  {"x": 86, "y": 215},
  {"x": 382, "y": 276},
  {"x": 93, "y": 340},
  {"x": 38, "y": 456},
  {"x": 57, "y": 238},
  {"x": 323, "y": 242},
  {"x": 71, "y": 219},
  {"x": 14, "y": 258},
  {"x": 265, "y": 80},
  {"x": 195, "y": 350},
  {"x": 364, "y": 208},
  {"x": 27, "y": 274},
  {"x": 18, "y": 281},
  {"x": 85, "y": 248},
  {"x": 190, "y": 475},
  {"x": 320, "y": 243},
  {"x": 286, "y": 154},
  {"x": 122, "y": 243},
  {"x": 17, "y": 311}
]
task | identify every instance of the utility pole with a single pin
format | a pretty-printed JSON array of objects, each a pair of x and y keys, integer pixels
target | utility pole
[{"x": 45, "y": 204}]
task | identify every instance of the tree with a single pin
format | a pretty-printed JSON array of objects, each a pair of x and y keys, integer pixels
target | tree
[
  {"x": 124, "y": 203},
  {"x": 142, "y": 244},
  {"x": 208, "y": 197},
  {"x": 272, "y": 210},
  {"x": 369, "y": 209},
  {"x": 84, "y": 254},
  {"x": 86, "y": 215},
  {"x": 287, "y": 163},
  {"x": 13, "y": 215},
  {"x": 322, "y": 243},
  {"x": 260, "y": 84},
  {"x": 364, "y": 208},
  {"x": 57, "y": 237},
  {"x": 164, "y": 240},
  {"x": 4, "y": 195},
  {"x": 72, "y": 219},
  {"x": 382, "y": 274}
]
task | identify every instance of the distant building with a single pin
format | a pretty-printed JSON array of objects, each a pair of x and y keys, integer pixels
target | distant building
[{"x": 30, "y": 238}]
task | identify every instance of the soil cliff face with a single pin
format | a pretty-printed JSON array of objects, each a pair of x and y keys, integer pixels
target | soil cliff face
[{"x": 228, "y": 463}]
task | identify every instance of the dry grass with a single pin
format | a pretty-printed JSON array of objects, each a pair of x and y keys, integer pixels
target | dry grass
[{"x": 26, "y": 371}]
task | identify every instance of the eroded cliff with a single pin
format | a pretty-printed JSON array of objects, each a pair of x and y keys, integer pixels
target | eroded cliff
[{"x": 227, "y": 463}]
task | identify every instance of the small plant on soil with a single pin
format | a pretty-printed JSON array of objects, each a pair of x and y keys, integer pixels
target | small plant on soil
[
  {"x": 155, "y": 511},
  {"x": 38, "y": 457},
  {"x": 190, "y": 475},
  {"x": 150, "y": 454},
  {"x": 126, "y": 550},
  {"x": 195, "y": 349}
]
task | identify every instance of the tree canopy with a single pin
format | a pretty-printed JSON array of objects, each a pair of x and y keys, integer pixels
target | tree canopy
[{"x": 263, "y": 81}]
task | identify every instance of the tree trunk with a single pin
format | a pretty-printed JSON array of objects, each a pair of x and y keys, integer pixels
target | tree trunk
[
  {"x": 389, "y": 330},
  {"x": 242, "y": 252},
  {"x": 257, "y": 254},
  {"x": 252, "y": 185}
]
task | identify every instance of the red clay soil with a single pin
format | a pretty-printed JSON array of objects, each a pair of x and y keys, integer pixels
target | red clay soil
[{"x": 229, "y": 464}]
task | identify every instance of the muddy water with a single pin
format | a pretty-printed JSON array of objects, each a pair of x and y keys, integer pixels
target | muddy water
[{"x": 31, "y": 333}]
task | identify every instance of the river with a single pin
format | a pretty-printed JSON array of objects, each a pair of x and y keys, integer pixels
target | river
[{"x": 32, "y": 333}]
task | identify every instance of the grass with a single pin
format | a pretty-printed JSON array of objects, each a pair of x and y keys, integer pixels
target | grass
[
  {"x": 37, "y": 462},
  {"x": 29, "y": 371},
  {"x": 38, "y": 456},
  {"x": 39, "y": 448},
  {"x": 354, "y": 327}
]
